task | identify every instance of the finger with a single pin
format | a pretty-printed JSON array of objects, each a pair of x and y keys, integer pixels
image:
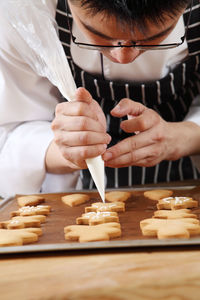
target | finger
[
  {"x": 74, "y": 109},
  {"x": 79, "y": 108},
  {"x": 79, "y": 123},
  {"x": 78, "y": 155},
  {"x": 83, "y": 95},
  {"x": 130, "y": 144},
  {"x": 128, "y": 107},
  {"x": 81, "y": 139},
  {"x": 146, "y": 120},
  {"x": 145, "y": 157}
]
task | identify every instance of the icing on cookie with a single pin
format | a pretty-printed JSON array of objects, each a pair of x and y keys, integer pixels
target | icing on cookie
[
  {"x": 14, "y": 222},
  {"x": 97, "y": 215},
  {"x": 178, "y": 200}
]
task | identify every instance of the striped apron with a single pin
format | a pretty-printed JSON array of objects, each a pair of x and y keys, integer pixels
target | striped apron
[{"x": 170, "y": 96}]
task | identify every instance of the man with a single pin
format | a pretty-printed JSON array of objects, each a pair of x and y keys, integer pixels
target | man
[{"x": 138, "y": 61}]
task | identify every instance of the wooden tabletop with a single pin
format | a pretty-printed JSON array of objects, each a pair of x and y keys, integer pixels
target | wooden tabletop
[
  {"x": 150, "y": 273},
  {"x": 153, "y": 274}
]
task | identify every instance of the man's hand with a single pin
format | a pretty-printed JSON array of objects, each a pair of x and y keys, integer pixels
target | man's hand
[
  {"x": 154, "y": 140},
  {"x": 80, "y": 131}
]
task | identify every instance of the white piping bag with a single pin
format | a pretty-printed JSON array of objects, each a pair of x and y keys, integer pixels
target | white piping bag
[{"x": 34, "y": 31}]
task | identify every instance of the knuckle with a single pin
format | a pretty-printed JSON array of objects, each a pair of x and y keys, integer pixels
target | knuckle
[
  {"x": 101, "y": 149},
  {"x": 84, "y": 138},
  {"x": 133, "y": 143},
  {"x": 125, "y": 101},
  {"x": 142, "y": 124},
  {"x": 159, "y": 136},
  {"x": 67, "y": 154},
  {"x": 55, "y": 124},
  {"x": 134, "y": 156},
  {"x": 154, "y": 154},
  {"x": 115, "y": 152},
  {"x": 83, "y": 123},
  {"x": 150, "y": 162},
  {"x": 84, "y": 153},
  {"x": 58, "y": 139},
  {"x": 80, "y": 108},
  {"x": 59, "y": 108}
]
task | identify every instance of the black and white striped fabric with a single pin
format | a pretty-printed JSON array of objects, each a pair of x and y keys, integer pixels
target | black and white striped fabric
[{"x": 171, "y": 97}]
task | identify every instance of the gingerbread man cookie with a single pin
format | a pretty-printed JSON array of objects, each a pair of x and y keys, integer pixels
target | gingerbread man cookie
[
  {"x": 170, "y": 228},
  {"x": 18, "y": 237},
  {"x": 23, "y": 222},
  {"x": 99, "y": 206},
  {"x": 177, "y": 203},
  {"x": 94, "y": 218},
  {"x": 86, "y": 233},
  {"x": 30, "y": 200},
  {"x": 117, "y": 196},
  {"x": 174, "y": 214},
  {"x": 75, "y": 199},
  {"x": 157, "y": 194},
  {"x": 32, "y": 210}
]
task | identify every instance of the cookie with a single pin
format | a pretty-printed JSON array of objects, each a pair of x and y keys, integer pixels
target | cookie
[
  {"x": 18, "y": 237},
  {"x": 75, "y": 199},
  {"x": 32, "y": 210},
  {"x": 174, "y": 214},
  {"x": 99, "y": 206},
  {"x": 94, "y": 218},
  {"x": 157, "y": 194},
  {"x": 30, "y": 200},
  {"x": 170, "y": 228},
  {"x": 176, "y": 203},
  {"x": 87, "y": 233},
  {"x": 117, "y": 196},
  {"x": 13, "y": 224},
  {"x": 23, "y": 222}
]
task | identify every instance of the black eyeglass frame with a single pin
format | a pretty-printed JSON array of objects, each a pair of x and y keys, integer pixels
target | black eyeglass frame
[{"x": 139, "y": 47}]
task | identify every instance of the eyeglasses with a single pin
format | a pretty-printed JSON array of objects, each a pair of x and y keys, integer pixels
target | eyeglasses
[{"x": 133, "y": 44}]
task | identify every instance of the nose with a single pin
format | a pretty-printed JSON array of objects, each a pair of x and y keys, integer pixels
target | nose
[{"x": 125, "y": 55}]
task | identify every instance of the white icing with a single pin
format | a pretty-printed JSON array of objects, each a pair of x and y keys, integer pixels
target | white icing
[
  {"x": 181, "y": 200},
  {"x": 31, "y": 208},
  {"x": 15, "y": 222},
  {"x": 178, "y": 200},
  {"x": 89, "y": 214},
  {"x": 168, "y": 199}
]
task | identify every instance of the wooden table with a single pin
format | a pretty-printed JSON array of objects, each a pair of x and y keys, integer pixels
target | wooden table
[
  {"x": 167, "y": 274},
  {"x": 141, "y": 275}
]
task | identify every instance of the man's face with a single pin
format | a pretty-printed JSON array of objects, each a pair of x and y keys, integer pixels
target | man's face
[{"x": 100, "y": 30}]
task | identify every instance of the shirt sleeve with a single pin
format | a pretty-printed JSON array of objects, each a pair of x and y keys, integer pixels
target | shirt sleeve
[
  {"x": 22, "y": 157},
  {"x": 27, "y": 105}
]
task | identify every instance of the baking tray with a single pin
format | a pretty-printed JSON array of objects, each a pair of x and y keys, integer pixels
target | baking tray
[{"x": 137, "y": 208}]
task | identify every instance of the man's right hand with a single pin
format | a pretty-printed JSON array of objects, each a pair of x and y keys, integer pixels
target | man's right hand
[{"x": 80, "y": 133}]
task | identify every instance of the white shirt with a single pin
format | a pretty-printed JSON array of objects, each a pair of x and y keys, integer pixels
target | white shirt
[{"x": 27, "y": 105}]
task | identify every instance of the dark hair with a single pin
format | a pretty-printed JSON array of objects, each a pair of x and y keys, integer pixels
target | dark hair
[{"x": 134, "y": 12}]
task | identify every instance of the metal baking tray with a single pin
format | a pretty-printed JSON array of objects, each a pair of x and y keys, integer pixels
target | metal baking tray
[{"x": 137, "y": 208}]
